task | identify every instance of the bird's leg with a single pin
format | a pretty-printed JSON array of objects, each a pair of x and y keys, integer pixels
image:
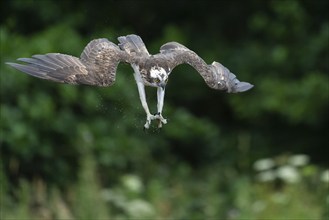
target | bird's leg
[
  {"x": 160, "y": 96},
  {"x": 142, "y": 96}
]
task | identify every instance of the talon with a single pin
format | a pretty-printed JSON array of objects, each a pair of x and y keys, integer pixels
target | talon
[
  {"x": 148, "y": 122},
  {"x": 159, "y": 125},
  {"x": 147, "y": 125},
  {"x": 157, "y": 116},
  {"x": 164, "y": 121},
  {"x": 149, "y": 119},
  {"x": 153, "y": 117},
  {"x": 161, "y": 119}
]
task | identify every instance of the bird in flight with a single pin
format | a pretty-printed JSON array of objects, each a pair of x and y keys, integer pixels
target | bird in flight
[{"x": 98, "y": 63}]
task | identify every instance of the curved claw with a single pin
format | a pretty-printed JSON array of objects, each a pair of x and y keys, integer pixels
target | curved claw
[
  {"x": 147, "y": 125},
  {"x": 161, "y": 120},
  {"x": 157, "y": 116},
  {"x": 148, "y": 122},
  {"x": 149, "y": 118}
]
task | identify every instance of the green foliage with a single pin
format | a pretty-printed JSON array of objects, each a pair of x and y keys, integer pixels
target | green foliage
[
  {"x": 85, "y": 144},
  {"x": 176, "y": 195}
]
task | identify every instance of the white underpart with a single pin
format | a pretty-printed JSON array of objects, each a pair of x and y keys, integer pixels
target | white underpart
[
  {"x": 156, "y": 72},
  {"x": 142, "y": 96}
]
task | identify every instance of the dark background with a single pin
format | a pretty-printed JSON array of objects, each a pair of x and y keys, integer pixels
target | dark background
[{"x": 280, "y": 46}]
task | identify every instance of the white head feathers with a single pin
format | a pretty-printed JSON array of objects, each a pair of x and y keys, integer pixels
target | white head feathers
[{"x": 158, "y": 72}]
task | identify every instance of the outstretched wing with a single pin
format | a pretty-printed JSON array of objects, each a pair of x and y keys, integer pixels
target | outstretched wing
[
  {"x": 176, "y": 54},
  {"x": 215, "y": 75},
  {"x": 97, "y": 65},
  {"x": 133, "y": 45}
]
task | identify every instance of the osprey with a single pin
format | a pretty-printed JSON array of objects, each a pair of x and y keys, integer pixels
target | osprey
[{"x": 98, "y": 63}]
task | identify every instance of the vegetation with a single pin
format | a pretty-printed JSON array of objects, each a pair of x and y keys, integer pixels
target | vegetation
[{"x": 79, "y": 152}]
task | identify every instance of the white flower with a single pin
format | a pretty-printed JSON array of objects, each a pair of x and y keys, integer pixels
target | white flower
[
  {"x": 132, "y": 183},
  {"x": 266, "y": 176},
  {"x": 288, "y": 174},
  {"x": 325, "y": 176},
  {"x": 299, "y": 160},
  {"x": 139, "y": 209},
  {"x": 264, "y": 164},
  {"x": 112, "y": 196},
  {"x": 258, "y": 206}
]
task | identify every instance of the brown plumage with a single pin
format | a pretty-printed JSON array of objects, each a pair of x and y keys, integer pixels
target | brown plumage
[
  {"x": 97, "y": 65},
  {"x": 99, "y": 60}
]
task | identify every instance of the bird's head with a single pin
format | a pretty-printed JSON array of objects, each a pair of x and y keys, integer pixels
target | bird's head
[
  {"x": 159, "y": 76},
  {"x": 227, "y": 80}
]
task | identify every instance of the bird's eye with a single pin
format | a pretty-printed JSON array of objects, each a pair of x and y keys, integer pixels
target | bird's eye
[
  {"x": 166, "y": 80},
  {"x": 157, "y": 80}
]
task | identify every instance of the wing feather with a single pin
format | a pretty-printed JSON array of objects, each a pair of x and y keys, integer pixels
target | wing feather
[
  {"x": 36, "y": 62},
  {"x": 97, "y": 65},
  {"x": 215, "y": 75},
  {"x": 176, "y": 54},
  {"x": 172, "y": 46},
  {"x": 133, "y": 45},
  {"x": 45, "y": 60}
]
